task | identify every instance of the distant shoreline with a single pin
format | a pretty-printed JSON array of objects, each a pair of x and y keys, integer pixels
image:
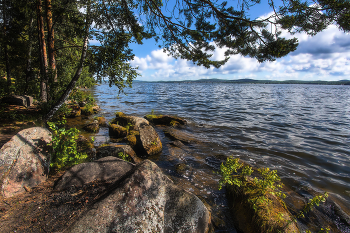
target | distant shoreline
[{"x": 252, "y": 81}]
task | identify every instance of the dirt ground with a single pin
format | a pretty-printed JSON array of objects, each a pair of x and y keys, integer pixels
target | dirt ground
[{"x": 39, "y": 209}]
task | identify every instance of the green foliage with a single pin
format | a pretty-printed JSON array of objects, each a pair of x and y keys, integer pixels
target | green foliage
[
  {"x": 64, "y": 145},
  {"x": 127, "y": 127},
  {"x": 124, "y": 156},
  {"x": 260, "y": 186}
]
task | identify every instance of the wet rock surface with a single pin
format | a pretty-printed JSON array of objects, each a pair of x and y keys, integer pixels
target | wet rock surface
[
  {"x": 166, "y": 120},
  {"x": 150, "y": 139},
  {"x": 24, "y": 161}
]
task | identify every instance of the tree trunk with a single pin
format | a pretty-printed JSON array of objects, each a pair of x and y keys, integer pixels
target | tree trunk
[
  {"x": 51, "y": 39},
  {"x": 6, "y": 55},
  {"x": 29, "y": 71},
  {"x": 76, "y": 77},
  {"x": 44, "y": 89}
]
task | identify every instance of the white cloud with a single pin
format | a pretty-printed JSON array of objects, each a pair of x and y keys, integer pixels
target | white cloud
[{"x": 325, "y": 56}]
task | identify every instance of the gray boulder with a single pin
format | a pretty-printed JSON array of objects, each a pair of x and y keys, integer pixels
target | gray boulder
[
  {"x": 24, "y": 161},
  {"x": 100, "y": 170},
  {"x": 146, "y": 201}
]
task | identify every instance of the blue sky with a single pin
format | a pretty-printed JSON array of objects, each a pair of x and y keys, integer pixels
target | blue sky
[{"x": 325, "y": 56}]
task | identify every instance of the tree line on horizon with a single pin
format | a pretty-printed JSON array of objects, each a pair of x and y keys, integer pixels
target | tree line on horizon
[{"x": 45, "y": 50}]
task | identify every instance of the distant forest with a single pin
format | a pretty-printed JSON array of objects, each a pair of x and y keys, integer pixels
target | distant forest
[{"x": 252, "y": 81}]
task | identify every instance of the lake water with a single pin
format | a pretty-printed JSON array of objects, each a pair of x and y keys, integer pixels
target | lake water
[{"x": 300, "y": 130}]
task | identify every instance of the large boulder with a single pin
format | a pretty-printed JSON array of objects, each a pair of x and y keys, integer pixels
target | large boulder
[
  {"x": 150, "y": 139},
  {"x": 24, "y": 161},
  {"x": 22, "y": 100},
  {"x": 103, "y": 169},
  {"x": 146, "y": 201}
]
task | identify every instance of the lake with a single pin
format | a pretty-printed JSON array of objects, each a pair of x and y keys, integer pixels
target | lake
[{"x": 302, "y": 131}]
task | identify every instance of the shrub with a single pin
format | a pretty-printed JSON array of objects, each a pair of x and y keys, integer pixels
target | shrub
[{"x": 64, "y": 146}]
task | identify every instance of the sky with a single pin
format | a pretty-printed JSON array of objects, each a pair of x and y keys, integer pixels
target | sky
[{"x": 325, "y": 56}]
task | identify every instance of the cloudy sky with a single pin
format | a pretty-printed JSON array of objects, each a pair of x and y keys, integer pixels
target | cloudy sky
[{"x": 325, "y": 56}]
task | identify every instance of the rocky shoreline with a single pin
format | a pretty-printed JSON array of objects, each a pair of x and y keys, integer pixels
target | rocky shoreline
[{"x": 127, "y": 196}]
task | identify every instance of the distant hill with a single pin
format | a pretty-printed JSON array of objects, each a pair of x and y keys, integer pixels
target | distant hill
[{"x": 253, "y": 81}]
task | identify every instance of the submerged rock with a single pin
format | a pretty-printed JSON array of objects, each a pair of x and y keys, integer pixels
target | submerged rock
[
  {"x": 165, "y": 120},
  {"x": 146, "y": 201},
  {"x": 181, "y": 136},
  {"x": 24, "y": 161}
]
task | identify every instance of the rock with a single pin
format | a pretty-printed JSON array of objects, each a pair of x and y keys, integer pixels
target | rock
[
  {"x": 117, "y": 131},
  {"x": 146, "y": 201},
  {"x": 271, "y": 218},
  {"x": 113, "y": 150},
  {"x": 75, "y": 110},
  {"x": 96, "y": 108},
  {"x": 85, "y": 145},
  {"x": 134, "y": 121},
  {"x": 166, "y": 120},
  {"x": 87, "y": 110},
  {"x": 24, "y": 161},
  {"x": 102, "y": 121},
  {"x": 150, "y": 139},
  {"x": 104, "y": 169},
  {"x": 22, "y": 100},
  {"x": 181, "y": 136},
  {"x": 92, "y": 127}
]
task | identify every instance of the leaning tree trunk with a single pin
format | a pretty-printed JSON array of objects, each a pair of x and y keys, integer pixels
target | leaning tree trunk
[
  {"x": 76, "y": 77},
  {"x": 43, "y": 54}
]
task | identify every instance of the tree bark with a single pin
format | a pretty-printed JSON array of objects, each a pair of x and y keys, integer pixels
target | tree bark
[
  {"x": 51, "y": 39},
  {"x": 43, "y": 54},
  {"x": 76, "y": 77},
  {"x": 29, "y": 70},
  {"x": 6, "y": 55}
]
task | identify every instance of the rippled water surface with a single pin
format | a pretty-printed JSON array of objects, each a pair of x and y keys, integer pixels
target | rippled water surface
[{"x": 300, "y": 130}]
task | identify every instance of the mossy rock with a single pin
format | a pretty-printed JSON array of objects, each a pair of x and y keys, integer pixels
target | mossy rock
[
  {"x": 270, "y": 216},
  {"x": 74, "y": 110},
  {"x": 132, "y": 140},
  {"x": 166, "y": 120},
  {"x": 92, "y": 127},
  {"x": 102, "y": 121},
  {"x": 87, "y": 110},
  {"x": 117, "y": 131}
]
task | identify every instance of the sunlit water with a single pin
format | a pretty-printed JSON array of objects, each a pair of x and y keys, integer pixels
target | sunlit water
[{"x": 300, "y": 130}]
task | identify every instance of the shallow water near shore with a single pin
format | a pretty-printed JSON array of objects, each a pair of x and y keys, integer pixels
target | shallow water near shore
[{"x": 302, "y": 131}]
